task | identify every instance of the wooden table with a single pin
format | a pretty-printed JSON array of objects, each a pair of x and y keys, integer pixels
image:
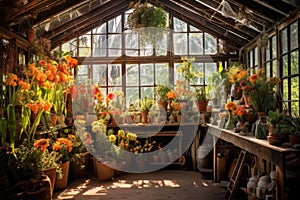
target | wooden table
[
  {"x": 188, "y": 134},
  {"x": 261, "y": 148}
]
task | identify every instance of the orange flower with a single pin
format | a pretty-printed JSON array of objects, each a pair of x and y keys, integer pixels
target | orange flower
[
  {"x": 34, "y": 106},
  {"x": 231, "y": 106},
  {"x": 24, "y": 85},
  {"x": 66, "y": 142},
  {"x": 46, "y": 106},
  {"x": 171, "y": 95},
  {"x": 253, "y": 78},
  {"x": 43, "y": 63},
  {"x": 11, "y": 79},
  {"x": 241, "y": 75},
  {"x": 42, "y": 144},
  {"x": 56, "y": 146}
]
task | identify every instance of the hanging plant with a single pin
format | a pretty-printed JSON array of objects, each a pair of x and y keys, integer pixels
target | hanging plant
[
  {"x": 146, "y": 15},
  {"x": 148, "y": 20}
]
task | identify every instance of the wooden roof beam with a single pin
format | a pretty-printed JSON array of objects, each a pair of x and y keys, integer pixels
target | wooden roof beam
[
  {"x": 69, "y": 4},
  {"x": 85, "y": 26},
  {"x": 206, "y": 26},
  {"x": 218, "y": 19},
  {"x": 86, "y": 18}
]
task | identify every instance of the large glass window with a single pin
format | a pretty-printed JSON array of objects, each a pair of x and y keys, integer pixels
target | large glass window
[
  {"x": 289, "y": 67},
  {"x": 139, "y": 66},
  {"x": 270, "y": 60}
]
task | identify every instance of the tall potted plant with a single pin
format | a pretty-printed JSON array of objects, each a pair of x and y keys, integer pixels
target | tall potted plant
[
  {"x": 161, "y": 92},
  {"x": 145, "y": 104}
]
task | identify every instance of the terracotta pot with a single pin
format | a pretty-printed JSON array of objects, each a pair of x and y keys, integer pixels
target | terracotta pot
[
  {"x": 201, "y": 105},
  {"x": 51, "y": 173},
  {"x": 178, "y": 118},
  {"x": 294, "y": 139},
  {"x": 162, "y": 104},
  {"x": 144, "y": 116},
  {"x": 63, "y": 183},
  {"x": 275, "y": 139},
  {"x": 78, "y": 171},
  {"x": 53, "y": 119},
  {"x": 105, "y": 172}
]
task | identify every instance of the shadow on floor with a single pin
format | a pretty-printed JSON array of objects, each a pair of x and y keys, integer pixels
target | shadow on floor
[{"x": 159, "y": 185}]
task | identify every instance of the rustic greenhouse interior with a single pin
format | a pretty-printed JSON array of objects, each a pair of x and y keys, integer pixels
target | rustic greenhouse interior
[{"x": 152, "y": 99}]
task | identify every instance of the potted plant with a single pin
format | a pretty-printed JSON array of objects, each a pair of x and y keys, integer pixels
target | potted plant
[
  {"x": 63, "y": 146},
  {"x": 145, "y": 105},
  {"x": 273, "y": 118},
  {"x": 79, "y": 155},
  {"x": 294, "y": 137},
  {"x": 161, "y": 92},
  {"x": 282, "y": 127},
  {"x": 201, "y": 99}
]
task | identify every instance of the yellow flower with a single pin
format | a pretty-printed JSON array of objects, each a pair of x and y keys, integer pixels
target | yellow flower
[
  {"x": 121, "y": 133},
  {"x": 112, "y": 138}
]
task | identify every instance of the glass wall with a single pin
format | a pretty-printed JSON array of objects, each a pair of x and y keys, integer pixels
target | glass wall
[{"x": 137, "y": 77}]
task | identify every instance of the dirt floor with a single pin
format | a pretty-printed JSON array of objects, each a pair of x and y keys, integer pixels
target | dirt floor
[{"x": 159, "y": 185}]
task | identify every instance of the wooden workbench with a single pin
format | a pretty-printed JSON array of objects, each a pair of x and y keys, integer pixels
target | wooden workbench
[{"x": 261, "y": 148}]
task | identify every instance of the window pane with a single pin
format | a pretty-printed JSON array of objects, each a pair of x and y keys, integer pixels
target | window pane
[
  {"x": 255, "y": 56},
  {"x": 284, "y": 46},
  {"x": 131, "y": 44},
  {"x": 295, "y": 88},
  {"x": 294, "y": 62},
  {"x": 99, "y": 45},
  {"x": 162, "y": 46},
  {"x": 274, "y": 50},
  {"x": 199, "y": 68},
  {"x": 295, "y": 108},
  {"x": 146, "y": 92},
  {"x": 251, "y": 58},
  {"x": 268, "y": 69},
  {"x": 180, "y": 43},
  {"x": 179, "y": 26},
  {"x": 285, "y": 65},
  {"x": 100, "y": 29},
  {"x": 115, "y": 45},
  {"x": 285, "y": 86},
  {"x": 210, "y": 44},
  {"x": 274, "y": 68},
  {"x": 147, "y": 74},
  {"x": 196, "y": 43},
  {"x": 177, "y": 75},
  {"x": 85, "y": 41},
  {"x": 114, "y": 25},
  {"x": 85, "y": 52},
  {"x": 162, "y": 73},
  {"x": 194, "y": 29},
  {"x": 114, "y": 74},
  {"x": 133, "y": 94},
  {"x": 294, "y": 35},
  {"x": 132, "y": 75},
  {"x": 209, "y": 68},
  {"x": 268, "y": 50},
  {"x": 99, "y": 74},
  {"x": 82, "y": 69}
]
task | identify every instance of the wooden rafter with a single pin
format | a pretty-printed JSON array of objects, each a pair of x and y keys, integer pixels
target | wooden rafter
[
  {"x": 204, "y": 25},
  {"x": 226, "y": 23},
  {"x": 87, "y": 23}
]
